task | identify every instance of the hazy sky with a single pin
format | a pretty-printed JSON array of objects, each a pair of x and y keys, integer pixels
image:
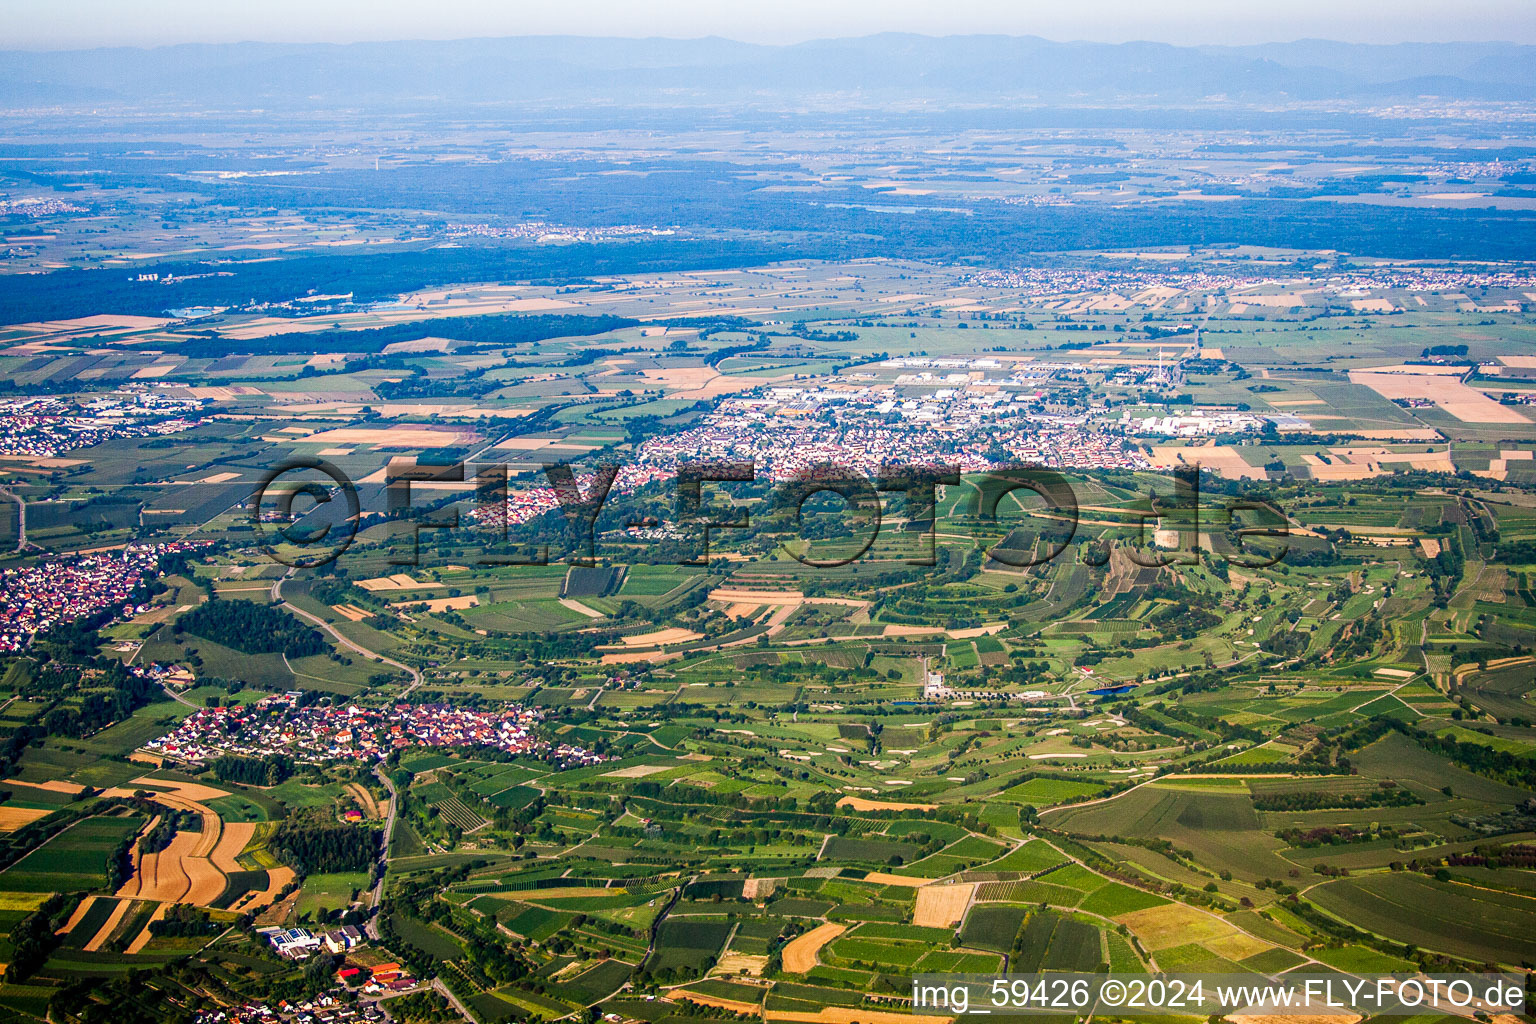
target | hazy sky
[{"x": 68, "y": 24}]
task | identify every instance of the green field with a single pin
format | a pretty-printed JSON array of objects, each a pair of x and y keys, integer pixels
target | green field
[{"x": 74, "y": 859}]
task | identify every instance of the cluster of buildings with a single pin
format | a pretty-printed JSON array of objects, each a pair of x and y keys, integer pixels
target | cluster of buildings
[
  {"x": 1212, "y": 423},
  {"x": 539, "y": 231},
  {"x": 1150, "y": 287},
  {"x": 524, "y": 505},
  {"x": 1043, "y": 282},
  {"x": 378, "y": 979},
  {"x": 178, "y": 677},
  {"x": 34, "y": 599},
  {"x": 300, "y": 943},
  {"x": 37, "y": 206},
  {"x": 317, "y": 733},
  {"x": 250, "y": 1013},
  {"x": 947, "y": 411},
  {"x": 323, "y": 1009},
  {"x": 1429, "y": 279},
  {"x": 975, "y": 424},
  {"x": 47, "y": 427}
]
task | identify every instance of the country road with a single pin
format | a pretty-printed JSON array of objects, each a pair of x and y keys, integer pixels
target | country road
[
  {"x": 446, "y": 993},
  {"x": 376, "y": 894},
  {"x": 277, "y": 596},
  {"x": 21, "y": 517}
]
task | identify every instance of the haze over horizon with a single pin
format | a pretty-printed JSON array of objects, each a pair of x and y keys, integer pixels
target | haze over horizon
[{"x": 82, "y": 24}]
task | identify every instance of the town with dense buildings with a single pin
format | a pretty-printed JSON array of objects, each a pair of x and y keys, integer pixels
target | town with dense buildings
[
  {"x": 56, "y": 592},
  {"x": 46, "y": 427},
  {"x": 289, "y": 725}
]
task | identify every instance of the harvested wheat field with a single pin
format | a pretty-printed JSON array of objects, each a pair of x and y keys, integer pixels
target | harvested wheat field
[
  {"x": 182, "y": 796},
  {"x": 184, "y": 872},
  {"x": 800, "y": 952},
  {"x": 637, "y": 771},
  {"x": 52, "y": 786},
  {"x": 402, "y": 436},
  {"x": 444, "y": 604},
  {"x": 1446, "y": 390},
  {"x": 911, "y": 630},
  {"x": 661, "y": 637},
  {"x": 399, "y": 581},
  {"x": 1221, "y": 459},
  {"x": 972, "y": 632},
  {"x": 885, "y": 878},
  {"x": 12, "y": 818},
  {"x": 1339, "y": 470},
  {"x": 629, "y": 657},
  {"x": 189, "y": 792},
  {"x": 161, "y": 875},
  {"x": 734, "y": 595},
  {"x": 741, "y": 963},
  {"x": 858, "y": 803},
  {"x": 1498, "y": 468},
  {"x": 205, "y": 883},
  {"x": 208, "y": 838},
  {"x": 235, "y": 836},
  {"x": 942, "y": 906}
]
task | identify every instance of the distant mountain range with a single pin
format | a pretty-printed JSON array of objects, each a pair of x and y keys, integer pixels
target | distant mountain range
[{"x": 891, "y": 72}]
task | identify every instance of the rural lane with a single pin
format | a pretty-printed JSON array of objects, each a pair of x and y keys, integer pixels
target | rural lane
[{"x": 277, "y": 597}]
